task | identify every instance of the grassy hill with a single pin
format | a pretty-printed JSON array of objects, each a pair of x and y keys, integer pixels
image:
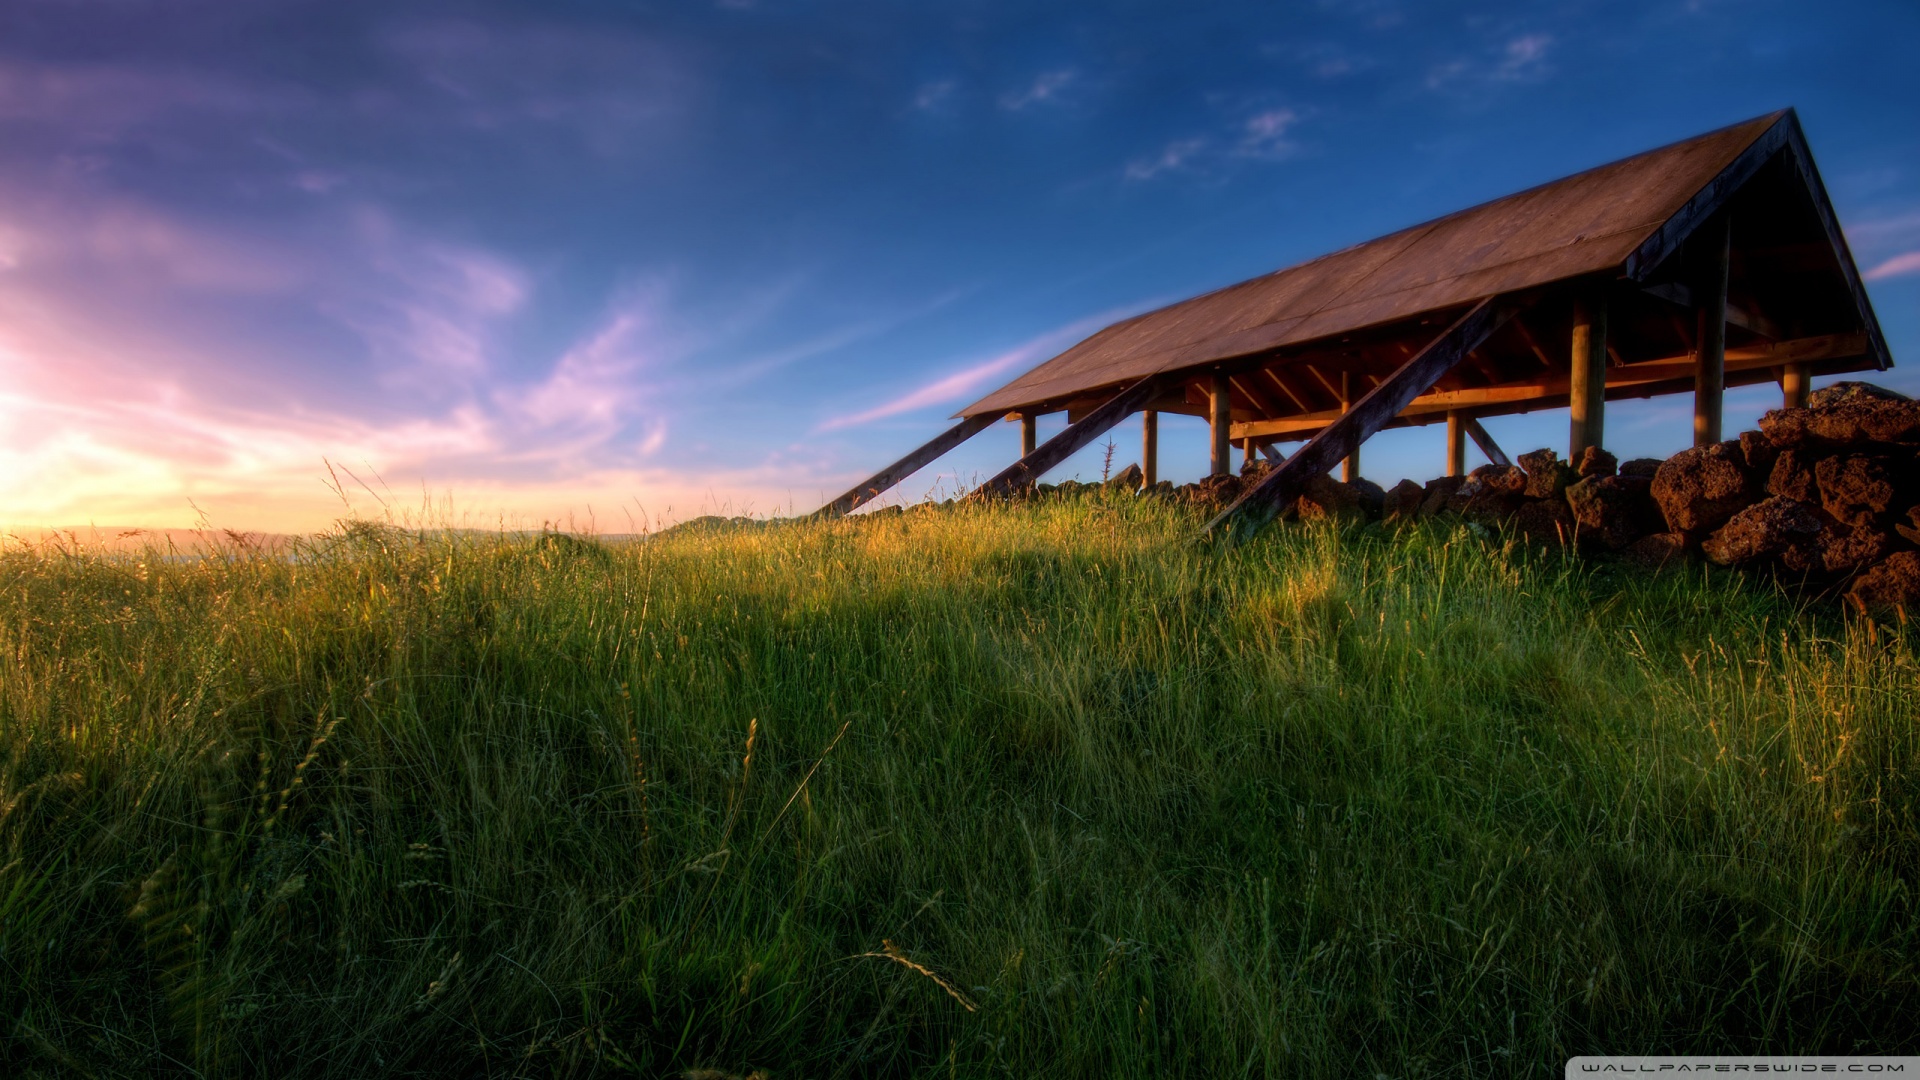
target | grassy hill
[{"x": 1041, "y": 790}]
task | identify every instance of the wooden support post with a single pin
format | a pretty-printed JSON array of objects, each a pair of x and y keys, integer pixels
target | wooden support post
[
  {"x": 1260, "y": 505},
  {"x": 907, "y": 466},
  {"x": 1062, "y": 446},
  {"x": 1710, "y": 366},
  {"x": 1793, "y": 386},
  {"x": 1350, "y": 465},
  {"x": 1587, "y": 383},
  {"x": 1221, "y": 421},
  {"x": 1272, "y": 453},
  {"x": 1150, "y": 447},
  {"x": 1029, "y": 433},
  {"x": 1456, "y": 443},
  {"x": 1485, "y": 442},
  {"x": 1248, "y": 452}
]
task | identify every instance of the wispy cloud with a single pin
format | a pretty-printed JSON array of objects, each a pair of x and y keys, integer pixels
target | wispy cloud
[
  {"x": 1518, "y": 59},
  {"x": 1525, "y": 57},
  {"x": 970, "y": 379},
  {"x": 1044, "y": 88},
  {"x": 1265, "y": 134},
  {"x": 933, "y": 96},
  {"x": 1898, "y": 266},
  {"x": 1172, "y": 157}
]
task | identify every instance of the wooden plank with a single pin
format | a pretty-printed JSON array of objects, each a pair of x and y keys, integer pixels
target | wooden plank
[
  {"x": 1048, "y": 454},
  {"x": 1456, "y": 443},
  {"x": 886, "y": 478},
  {"x": 1261, "y": 504},
  {"x": 1485, "y": 442},
  {"x": 1029, "y": 432},
  {"x": 1710, "y": 370}
]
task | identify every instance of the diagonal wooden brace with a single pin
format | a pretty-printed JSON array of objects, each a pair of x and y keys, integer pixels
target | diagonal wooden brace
[
  {"x": 1485, "y": 442},
  {"x": 879, "y": 482},
  {"x": 1264, "y": 502},
  {"x": 1062, "y": 446}
]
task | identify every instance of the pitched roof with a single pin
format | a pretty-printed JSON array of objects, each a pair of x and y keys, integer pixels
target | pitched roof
[{"x": 1586, "y": 223}]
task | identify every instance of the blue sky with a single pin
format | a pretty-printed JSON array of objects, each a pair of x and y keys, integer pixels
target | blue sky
[{"x": 637, "y": 262}]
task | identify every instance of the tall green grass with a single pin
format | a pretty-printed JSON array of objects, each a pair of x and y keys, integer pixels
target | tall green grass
[{"x": 1041, "y": 790}]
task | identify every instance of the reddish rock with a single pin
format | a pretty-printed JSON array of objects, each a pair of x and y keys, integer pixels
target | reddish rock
[
  {"x": 1890, "y": 587},
  {"x": 1613, "y": 511},
  {"x": 1641, "y": 466},
  {"x": 1846, "y": 413},
  {"x": 1438, "y": 492},
  {"x": 1500, "y": 479},
  {"x": 1657, "y": 550},
  {"x": 1547, "y": 475},
  {"x": 1327, "y": 498},
  {"x": 1372, "y": 495},
  {"x": 1792, "y": 477},
  {"x": 1700, "y": 488},
  {"x": 1855, "y": 488},
  {"x": 1403, "y": 500},
  {"x": 1759, "y": 452},
  {"x": 1844, "y": 550},
  {"x": 1910, "y": 529},
  {"x": 1490, "y": 491},
  {"x": 1763, "y": 532},
  {"x": 1545, "y": 521},
  {"x": 1128, "y": 479},
  {"x": 1596, "y": 462},
  {"x": 1842, "y": 393},
  {"x": 1213, "y": 493}
]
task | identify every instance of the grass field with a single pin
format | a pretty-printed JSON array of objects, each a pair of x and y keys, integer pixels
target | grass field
[{"x": 1034, "y": 791}]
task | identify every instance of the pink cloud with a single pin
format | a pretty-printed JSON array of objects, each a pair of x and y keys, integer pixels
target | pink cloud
[
  {"x": 960, "y": 384},
  {"x": 1898, "y": 266}
]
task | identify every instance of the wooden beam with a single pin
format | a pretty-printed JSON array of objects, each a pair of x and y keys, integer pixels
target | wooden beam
[
  {"x": 886, "y": 478},
  {"x": 1272, "y": 453},
  {"x": 1801, "y": 158},
  {"x": 1456, "y": 443},
  {"x": 1485, "y": 442},
  {"x": 1587, "y": 375},
  {"x": 1219, "y": 425},
  {"x": 1261, "y": 504},
  {"x": 1621, "y": 381},
  {"x": 1029, "y": 431},
  {"x": 1048, "y": 454},
  {"x": 1349, "y": 465},
  {"x": 1287, "y": 389},
  {"x": 1249, "y": 387},
  {"x": 1325, "y": 383},
  {"x": 1709, "y": 200},
  {"x": 1710, "y": 370},
  {"x": 1793, "y": 386},
  {"x": 1150, "y": 447}
]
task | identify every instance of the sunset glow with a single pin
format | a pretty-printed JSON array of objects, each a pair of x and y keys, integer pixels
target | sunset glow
[{"x": 514, "y": 264}]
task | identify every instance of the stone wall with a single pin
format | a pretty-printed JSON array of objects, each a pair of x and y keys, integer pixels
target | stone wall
[{"x": 1824, "y": 496}]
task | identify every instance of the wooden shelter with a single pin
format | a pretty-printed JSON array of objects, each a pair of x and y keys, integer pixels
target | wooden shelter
[{"x": 1712, "y": 262}]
